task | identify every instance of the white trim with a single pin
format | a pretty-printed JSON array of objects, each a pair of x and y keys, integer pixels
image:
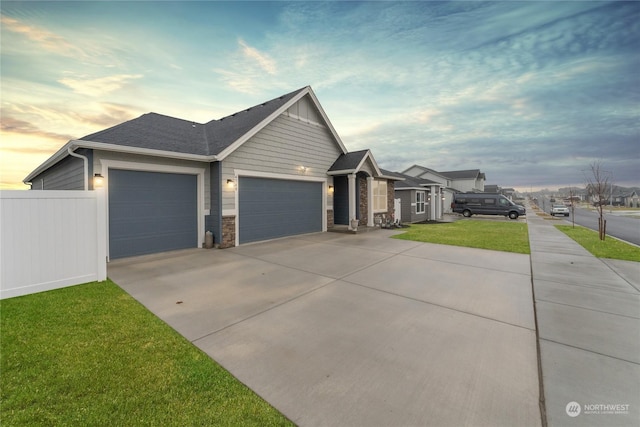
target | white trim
[
  {"x": 342, "y": 172},
  {"x": 373, "y": 162},
  {"x": 272, "y": 175},
  {"x": 107, "y": 164},
  {"x": 242, "y": 173},
  {"x": 229, "y": 212}
]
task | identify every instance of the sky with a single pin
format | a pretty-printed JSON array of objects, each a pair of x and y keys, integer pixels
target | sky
[{"x": 531, "y": 93}]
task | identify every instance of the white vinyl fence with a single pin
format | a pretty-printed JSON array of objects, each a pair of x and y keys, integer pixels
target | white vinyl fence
[{"x": 50, "y": 239}]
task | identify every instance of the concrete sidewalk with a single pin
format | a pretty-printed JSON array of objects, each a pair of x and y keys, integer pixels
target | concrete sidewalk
[{"x": 588, "y": 320}]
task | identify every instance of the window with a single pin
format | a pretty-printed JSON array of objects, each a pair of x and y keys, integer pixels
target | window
[
  {"x": 379, "y": 196},
  {"x": 419, "y": 202},
  {"x": 489, "y": 201}
]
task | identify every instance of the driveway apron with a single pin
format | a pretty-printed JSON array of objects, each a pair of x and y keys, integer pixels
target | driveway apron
[{"x": 358, "y": 330}]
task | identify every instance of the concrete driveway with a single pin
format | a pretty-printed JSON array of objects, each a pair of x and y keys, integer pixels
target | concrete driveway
[{"x": 357, "y": 330}]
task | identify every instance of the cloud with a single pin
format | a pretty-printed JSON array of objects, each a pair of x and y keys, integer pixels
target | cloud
[
  {"x": 249, "y": 70},
  {"x": 16, "y": 126},
  {"x": 46, "y": 39},
  {"x": 98, "y": 86},
  {"x": 263, "y": 60},
  {"x": 110, "y": 115}
]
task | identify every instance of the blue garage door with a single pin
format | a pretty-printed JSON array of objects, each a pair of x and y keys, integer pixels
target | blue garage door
[
  {"x": 151, "y": 212},
  {"x": 272, "y": 208}
]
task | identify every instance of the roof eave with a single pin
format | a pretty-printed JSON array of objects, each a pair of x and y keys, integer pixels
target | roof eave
[
  {"x": 391, "y": 178},
  {"x": 79, "y": 143}
]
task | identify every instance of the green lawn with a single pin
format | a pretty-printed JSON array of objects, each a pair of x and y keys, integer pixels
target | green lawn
[
  {"x": 91, "y": 355},
  {"x": 495, "y": 235},
  {"x": 609, "y": 248}
]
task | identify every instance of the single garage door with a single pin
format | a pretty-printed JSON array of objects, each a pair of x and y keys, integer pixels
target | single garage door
[
  {"x": 272, "y": 208},
  {"x": 151, "y": 212}
]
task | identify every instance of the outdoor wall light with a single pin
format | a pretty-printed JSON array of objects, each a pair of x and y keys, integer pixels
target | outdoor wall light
[
  {"x": 331, "y": 189},
  {"x": 98, "y": 181},
  {"x": 230, "y": 183},
  {"x": 303, "y": 169}
]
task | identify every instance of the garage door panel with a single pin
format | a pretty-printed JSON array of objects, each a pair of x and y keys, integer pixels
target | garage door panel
[
  {"x": 151, "y": 212},
  {"x": 272, "y": 208}
]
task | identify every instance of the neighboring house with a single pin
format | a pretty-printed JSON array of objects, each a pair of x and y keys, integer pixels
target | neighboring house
[
  {"x": 465, "y": 181},
  {"x": 492, "y": 188},
  {"x": 273, "y": 170},
  {"x": 509, "y": 193},
  {"x": 415, "y": 197},
  {"x": 632, "y": 200}
]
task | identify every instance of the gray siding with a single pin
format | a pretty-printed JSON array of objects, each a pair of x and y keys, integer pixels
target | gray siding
[
  {"x": 281, "y": 148},
  {"x": 149, "y": 160},
  {"x": 67, "y": 174},
  {"x": 408, "y": 206}
]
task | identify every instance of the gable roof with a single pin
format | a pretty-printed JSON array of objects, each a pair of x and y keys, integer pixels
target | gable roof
[
  {"x": 165, "y": 136},
  {"x": 411, "y": 182},
  {"x": 350, "y": 163},
  {"x": 424, "y": 171},
  {"x": 465, "y": 174}
]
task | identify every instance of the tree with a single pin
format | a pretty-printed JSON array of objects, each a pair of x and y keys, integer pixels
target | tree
[{"x": 597, "y": 185}]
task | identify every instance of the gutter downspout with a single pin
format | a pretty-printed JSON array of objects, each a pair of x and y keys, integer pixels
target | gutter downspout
[{"x": 86, "y": 166}]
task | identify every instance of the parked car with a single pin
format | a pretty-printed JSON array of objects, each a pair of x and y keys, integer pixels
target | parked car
[
  {"x": 559, "y": 210},
  {"x": 486, "y": 204}
]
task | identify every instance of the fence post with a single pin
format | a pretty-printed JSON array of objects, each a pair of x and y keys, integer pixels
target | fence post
[{"x": 101, "y": 230}]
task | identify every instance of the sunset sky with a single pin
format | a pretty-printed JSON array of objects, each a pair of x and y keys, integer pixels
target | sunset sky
[{"x": 530, "y": 93}]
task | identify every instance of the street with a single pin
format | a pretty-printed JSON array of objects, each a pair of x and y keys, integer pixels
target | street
[{"x": 626, "y": 228}]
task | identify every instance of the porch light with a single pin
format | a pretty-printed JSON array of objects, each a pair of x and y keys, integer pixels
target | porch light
[
  {"x": 98, "y": 181},
  {"x": 230, "y": 183},
  {"x": 331, "y": 189},
  {"x": 303, "y": 169}
]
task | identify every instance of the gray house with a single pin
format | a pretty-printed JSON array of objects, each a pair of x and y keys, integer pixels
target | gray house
[
  {"x": 273, "y": 170},
  {"x": 415, "y": 197}
]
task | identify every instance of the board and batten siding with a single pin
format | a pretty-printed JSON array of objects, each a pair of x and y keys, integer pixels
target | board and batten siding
[
  {"x": 67, "y": 174},
  {"x": 282, "y": 147}
]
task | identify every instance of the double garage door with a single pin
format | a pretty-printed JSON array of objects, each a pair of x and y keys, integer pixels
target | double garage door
[
  {"x": 152, "y": 212},
  {"x": 272, "y": 208}
]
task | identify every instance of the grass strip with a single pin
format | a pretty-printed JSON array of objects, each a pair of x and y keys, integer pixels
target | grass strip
[
  {"x": 609, "y": 248},
  {"x": 92, "y": 355},
  {"x": 494, "y": 235}
]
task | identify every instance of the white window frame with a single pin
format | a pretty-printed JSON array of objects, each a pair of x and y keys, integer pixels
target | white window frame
[
  {"x": 420, "y": 202},
  {"x": 377, "y": 198}
]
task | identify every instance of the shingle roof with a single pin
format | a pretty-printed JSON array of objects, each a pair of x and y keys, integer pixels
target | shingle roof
[
  {"x": 160, "y": 132},
  {"x": 410, "y": 181},
  {"x": 465, "y": 174},
  {"x": 348, "y": 161}
]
